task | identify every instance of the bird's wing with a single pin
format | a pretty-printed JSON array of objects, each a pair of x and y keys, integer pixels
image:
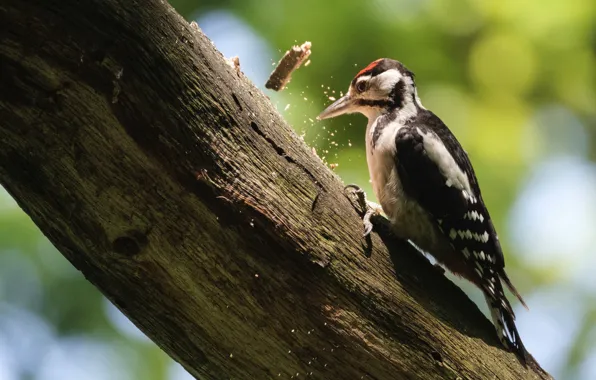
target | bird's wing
[{"x": 436, "y": 172}]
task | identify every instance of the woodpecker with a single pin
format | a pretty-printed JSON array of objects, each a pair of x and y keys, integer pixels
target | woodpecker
[{"x": 427, "y": 187}]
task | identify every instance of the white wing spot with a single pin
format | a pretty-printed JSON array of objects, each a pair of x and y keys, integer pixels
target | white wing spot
[
  {"x": 482, "y": 257},
  {"x": 484, "y": 237},
  {"x": 468, "y": 234},
  {"x": 478, "y": 271},
  {"x": 466, "y": 253},
  {"x": 461, "y": 233},
  {"x": 453, "y": 234},
  {"x": 474, "y": 215},
  {"x": 491, "y": 290}
]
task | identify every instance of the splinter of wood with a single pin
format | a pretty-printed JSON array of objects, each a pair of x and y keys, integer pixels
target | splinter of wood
[{"x": 291, "y": 61}]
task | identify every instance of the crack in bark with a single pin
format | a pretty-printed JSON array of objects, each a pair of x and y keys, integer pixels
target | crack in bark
[{"x": 281, "y": 152}]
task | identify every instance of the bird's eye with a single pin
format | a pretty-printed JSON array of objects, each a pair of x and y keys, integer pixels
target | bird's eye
[{"x": 361, "y": 86}]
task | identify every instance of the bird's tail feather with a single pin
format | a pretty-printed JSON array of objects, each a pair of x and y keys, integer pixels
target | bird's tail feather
[
  {"x": 504, "y": 321},
  {"x": 507, "y": 282}
]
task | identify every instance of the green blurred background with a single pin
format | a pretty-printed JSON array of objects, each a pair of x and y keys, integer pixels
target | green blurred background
[{"x": 515, "y": 81}]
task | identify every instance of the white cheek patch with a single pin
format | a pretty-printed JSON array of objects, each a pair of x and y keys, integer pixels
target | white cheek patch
[{"x": 385, "y": 82}]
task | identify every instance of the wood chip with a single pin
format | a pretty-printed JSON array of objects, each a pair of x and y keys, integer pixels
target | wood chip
[
  {"x": 290, "y": 61},
  {"x": 194, "y": 26},
  {"x": 234, "y": 63}
]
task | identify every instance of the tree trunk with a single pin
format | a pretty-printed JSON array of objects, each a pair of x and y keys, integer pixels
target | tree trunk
[{"x": 173, "y": 185}]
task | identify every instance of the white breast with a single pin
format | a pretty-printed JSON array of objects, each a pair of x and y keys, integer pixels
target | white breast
[
  {"x": 409, "y": 220},
  {"x": 381, "y": 167}
]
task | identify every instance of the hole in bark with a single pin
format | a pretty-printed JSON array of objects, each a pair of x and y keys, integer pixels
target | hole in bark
[
  {"x": 282, "y": 153},
  {"x": 436, "y": 356},
  {"x": 237, "y": 101},
  {"x": 278, "y": 149},
  {"x": 126, "y": 246},
  {"x": 130, "y": 244}
]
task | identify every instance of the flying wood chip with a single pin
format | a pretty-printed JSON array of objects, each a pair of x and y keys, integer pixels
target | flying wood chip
[{"x": 292, "y": 60}]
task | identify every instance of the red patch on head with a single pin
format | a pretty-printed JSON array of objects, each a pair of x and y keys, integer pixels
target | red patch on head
[{"x": 369, "y": 67}]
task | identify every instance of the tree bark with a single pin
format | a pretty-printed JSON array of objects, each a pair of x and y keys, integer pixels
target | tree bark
[{"x": 174, "y": 186}]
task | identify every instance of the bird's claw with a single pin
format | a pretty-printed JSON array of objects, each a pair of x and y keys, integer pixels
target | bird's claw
[
  {"x": 368, "y": 209},
  {"x": 368, "y": 226},
  {"x": 360, "y": 193}
]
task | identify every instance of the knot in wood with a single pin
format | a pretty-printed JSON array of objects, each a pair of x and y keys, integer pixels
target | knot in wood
[{"x": 130, "y": 244}]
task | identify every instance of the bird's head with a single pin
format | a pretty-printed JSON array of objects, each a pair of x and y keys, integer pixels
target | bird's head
[{"x": 383, "y": 86}]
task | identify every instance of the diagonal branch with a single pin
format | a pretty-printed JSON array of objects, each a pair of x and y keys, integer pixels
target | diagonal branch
[{"x": 174, "y": 186}]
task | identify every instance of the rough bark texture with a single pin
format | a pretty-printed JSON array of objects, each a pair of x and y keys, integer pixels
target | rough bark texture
[{"x": 175, "y": 187}]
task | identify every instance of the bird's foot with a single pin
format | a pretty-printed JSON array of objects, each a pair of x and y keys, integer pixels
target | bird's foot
[{"x": 368, "y": 208}]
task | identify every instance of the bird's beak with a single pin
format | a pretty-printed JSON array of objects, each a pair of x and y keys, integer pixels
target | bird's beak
[{"x": 339, "y": 107}]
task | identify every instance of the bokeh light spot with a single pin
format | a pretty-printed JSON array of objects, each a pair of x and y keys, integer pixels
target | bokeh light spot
[{"x": 502, "y": 62}]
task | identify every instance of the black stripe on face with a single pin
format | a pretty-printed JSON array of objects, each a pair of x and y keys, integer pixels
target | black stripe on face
[
  {"x": 376, "y": 103},
  {"x": 397, "y": 93},
  {"x": 395, "y": 98}
]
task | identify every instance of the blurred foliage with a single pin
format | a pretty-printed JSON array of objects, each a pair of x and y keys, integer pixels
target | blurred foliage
[{"x": 491, "y": 70}]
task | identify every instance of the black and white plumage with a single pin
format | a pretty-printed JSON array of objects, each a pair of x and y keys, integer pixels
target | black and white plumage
[{"x": 426, "y": 185}]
